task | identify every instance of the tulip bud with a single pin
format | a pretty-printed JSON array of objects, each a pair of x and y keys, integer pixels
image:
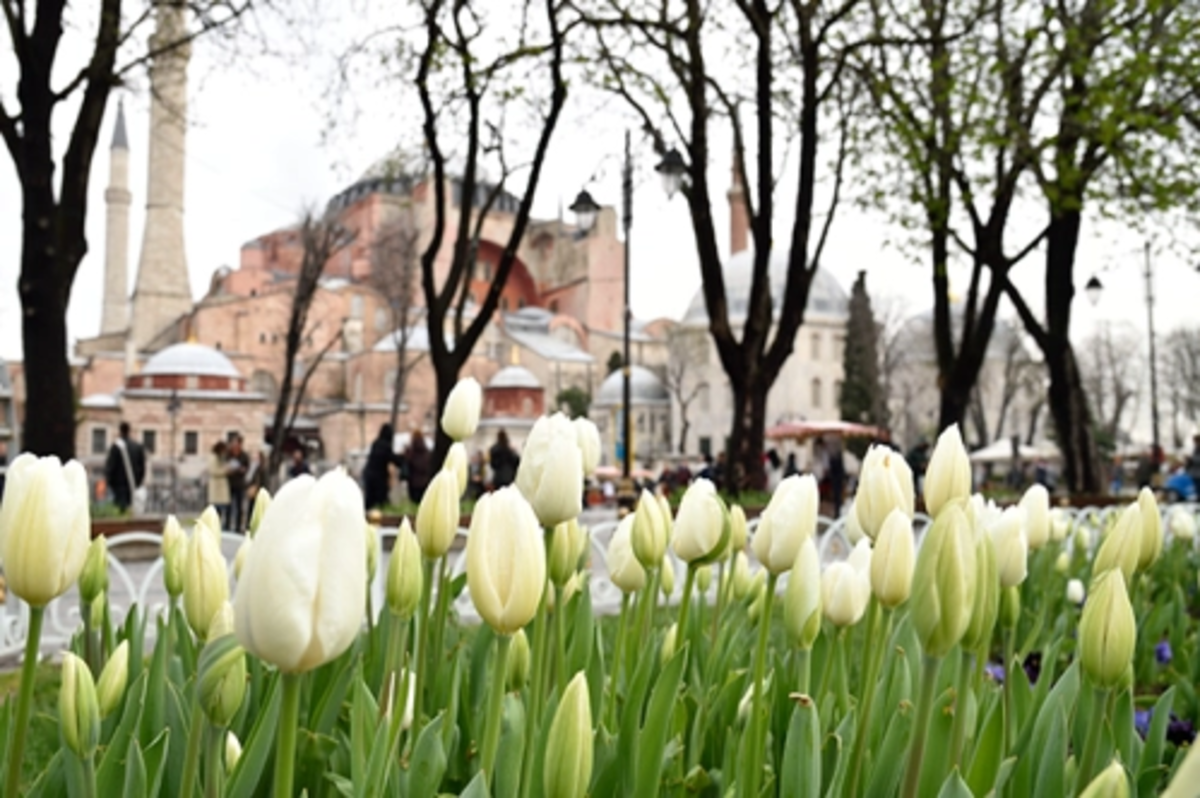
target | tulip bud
[
  {"x": 205, "y": 581},
  {"x": 221, "y": 679},
  {"x": 802, "y": 600},
  {"x": 704, "y": 578},
  {"x": 573, "y": 586},
  {"x": 845, "y": 593},
  {"x": 1075, "y": 592},
  {"x": 742, "y": 583},
  {"x": 1062, "y": 563},
  {"x": 885, "y": 483},
  {"x": 111, "y": 686},
  {"x": 943, "y": 582},
  {"x": 668, "y": 645},
  {"x": 790, "y": 517},
  {"x": 1123, "y": 546},
  {"x": 456, "y": 461},
  {"x": 1111, "y": 783},
  {"x": 564, "y": 557},
  {"x": 1152, "y": 532},
  {"x": 517, "y": 664},
  {"x": 948, "y": 475},
  {"x": 97, "y": 610},
  {"x": 668, "y": 517},
  {"x": 460, "y": 417},
  {"x": 405, "y": 579},
  {"x": 303, "y": 592},
  {"x": 580, "y": 538},
  {"x": 588, "y": 439},
  {"x": 623, "y": 567},
  {"x": 262, "y": 500},
  {"x": 860, "y": 559},
  {"x": 372, "y": 534},
  {"x": 892, "y": 561},
  {"x": 1035, "y": 504},
  {"x": 1012, "y": 548},
  {"x": 1183, "y": 524},
  {"x": 702, "y": 527},
  {"x": 1010, "y": 607},
  {"x": 222, "y": 622},
  {"x": 649, "y": 531},
  {"x": 210, "y": 520},
  {"x": 1060, "y": 525},
  {"x": 1107, "y": 630},
  {"x": 987, "y": 595},
  {"x": 666, "y": 578},
  {"x": 174, "y": 550},
  {"x": 1083, "y": 539},
  {"x": 738, "y": 532},
  {"x": 550, "y": 475},
  {"x": 567, "y": 767},
  {"x": 757, "y": 591},
  {"x": 438, "y": 514},
  {"x": 853, "y": 529},
  {"x": 93, "y": 579},
  {"x": 239, "y": 559},
  {"x": 45, "y": 527},
  {"x": 78, "y": 707},
  {"x": 747, "y": 702},
  {"x": 506, "y": 560},
  {"x": 233, "y": 751}
]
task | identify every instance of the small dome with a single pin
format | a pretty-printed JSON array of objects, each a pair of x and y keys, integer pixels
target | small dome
[
  {"x": 645, "y": 388},
  {"x": 514, "y": 377},
  {"x": 825, "y": 294},
  {"x": 188, "y": 360}
]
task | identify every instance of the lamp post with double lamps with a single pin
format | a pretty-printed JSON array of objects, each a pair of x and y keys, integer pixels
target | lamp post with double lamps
[{"x": 671, "y": 168}]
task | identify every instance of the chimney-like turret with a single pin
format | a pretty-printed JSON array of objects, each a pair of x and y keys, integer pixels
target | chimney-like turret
[{"x": 114, "y": 314}]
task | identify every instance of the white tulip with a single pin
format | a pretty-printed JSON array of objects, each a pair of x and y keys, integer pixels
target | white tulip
[
  {"x": 948, "y": 475},
  {"x": 853, "y": 529},
  {"x": 860, "y": 557},
  {"x": 885, "y": 483},
  {"x": 1075, "y": 591},
  {"x": 650, "y": 533},
  {"x": 1183, "y": 524},
  {"x": 893, "y": 560},
  {"x": 1122, "y": 546},
  {"x": 302, "y": 596},
  {"x": 45, "y": 527},
  {"x": 1152, "y": 532},
  {"x": 1036, "y": 506},
  {"x": 790, "y": 517},
  {"x": 461, "y": 414},
  {"x": 1060, "y": 524},
  {"x": 844, "y": 594},
  {"x": 174, "y": 551},
  {"x": 506, "y": 560},
  {"x": 802, "y": 601},
  {"x": 205, "y": 580},
  {"x": 438, "y": 514},
  {"x": 456, "y": 461},
  {"x": 623, "y": 567},
  {"x": 666, "y": 577},
  {"x": 551, "y": 471},
  {"x": 740, "y": 576},
  {"x": 233, "y": 751},
  {"x": 209, "y": 520},
  {"x": 588, "y": 438},
  {"x": 701, "y": 529},
  {"x": 737, "y": 529},
  {"x": 1012, "y": 548}
]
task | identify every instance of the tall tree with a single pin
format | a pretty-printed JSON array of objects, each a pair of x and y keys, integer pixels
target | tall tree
[
  {"x": 862, "y": 399},
  {"x": 475, "y": 62},
  {"x": 1180, "y": 371},
  {"x": 685, "y": 353},
  {"x": 55, "y": 179},
  {"x": 395, "y": 262},
  {"x": 1111, "y": 370},
  {"x": 783, "y": 62}
]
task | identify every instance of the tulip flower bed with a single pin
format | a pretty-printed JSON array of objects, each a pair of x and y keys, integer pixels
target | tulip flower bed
[{"x": 1012, "y": 653}]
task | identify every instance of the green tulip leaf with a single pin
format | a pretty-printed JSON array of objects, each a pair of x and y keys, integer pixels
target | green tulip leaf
[
  {"x": 476, "y": 789},
  {"x": 1152, "y": 754},
  {"x": 889, "y": 761},
  {"x": 52, "y": 782},
  {"x": 110, "y": 773},
  {"x": 1052, "y": 750},
  {"x": 257, "y": 747},
  {"x": 507, "y": 779},
  {"x": 135, "y": 772},
  {"x": 155, "y": 756},
  {"x": 937, "y": 743},
  {"x": 955, "y": 787},
  {"x": 989, "y": 752},
  {"x": 800, "y": 767},
  {"x": 428, "y": 759},
  {"x": 652, "y": 740},
  {"x": 327, "y": 708}
]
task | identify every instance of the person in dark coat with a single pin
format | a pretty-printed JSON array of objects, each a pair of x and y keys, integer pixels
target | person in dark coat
[
  {"x": 419, "y": 463},
  {"x": 125, "y": 458},
  {"x": 377, "y": 478},
  {"x": 503, "y": 460}
]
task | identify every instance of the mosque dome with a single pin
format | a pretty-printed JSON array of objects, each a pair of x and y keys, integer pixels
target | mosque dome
[
  {"x": 645, "y": 388},
  {"x": 825, "y": 296},
  {"x": 190, "y": 360},
  {"x": 514, "y": 377}
]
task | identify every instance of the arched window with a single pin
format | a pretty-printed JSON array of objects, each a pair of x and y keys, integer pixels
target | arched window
[
  {"x": 816, "y": 393},
  {"x": 262, "y": 381}
]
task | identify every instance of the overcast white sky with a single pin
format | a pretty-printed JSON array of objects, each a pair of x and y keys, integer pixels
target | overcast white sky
[{"x": 257, "y": 156}]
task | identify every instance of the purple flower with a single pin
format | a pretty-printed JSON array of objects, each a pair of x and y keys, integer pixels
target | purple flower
[
  {"x": 1141, "y": 721},
  {"x": 1033, "y": 666},
  {"x": 995, "y": 670},
  {"x": 1162, "y": 652},
  {"x": 1180, "y": 732}
]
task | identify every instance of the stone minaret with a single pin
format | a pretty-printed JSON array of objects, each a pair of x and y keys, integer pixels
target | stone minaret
[
  {"x": 114, "y": 317},
  {"x": 163, "y": 293},
  {"x": 739, "y": 219}
]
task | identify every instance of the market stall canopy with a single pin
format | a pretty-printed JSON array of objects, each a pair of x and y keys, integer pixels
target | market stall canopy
[
  {"x": 803, "y": 430},
  {"x": 606, "y": 473},
  {"x": 1001, "y": 452}
]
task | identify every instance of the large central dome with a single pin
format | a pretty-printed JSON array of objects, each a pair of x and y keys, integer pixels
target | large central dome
[{"x": 825, "y": 296}]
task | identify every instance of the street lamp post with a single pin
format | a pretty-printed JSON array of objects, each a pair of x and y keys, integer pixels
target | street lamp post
[
  {"x": 173, "y": 406},
  {"x": 586, "y": 209}
]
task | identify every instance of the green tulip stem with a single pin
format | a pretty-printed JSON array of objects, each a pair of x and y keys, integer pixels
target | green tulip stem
[
  {"x": 803, "y": 670},
  {"x": 871, "y": 664},
  {"x": 916, "y": 750},
  {"x": 289, "y": 723},
  {"x": 422, "y": 654},
  {"x": 491, "y": 734},
  {"x": 397, "y": 647},
  {"x": 89, "y": 776},
  {"x": 191, "y": 759},
  {"x": 757, "y": 729},
  {"x": 610, "y": 708},
  {"x": 214, "y": 767},
  {"x": 370, "y": 625},
  {"x": 1009, "y": 717},
  {"x": 89, "y": 646},
  {"x": 962, "y": 691},
  {"x": 536, "y": 691},
  {"x": 438, "y": 626},
  {"x": 722, "y": 589},
  {"x": 16, "y": 750},
  {"x": 689, "y": 582},
  {"x": 560, "y": 640},
  {"x": 1091, "y": 745},
  {"x": 650, "y": 600}
]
